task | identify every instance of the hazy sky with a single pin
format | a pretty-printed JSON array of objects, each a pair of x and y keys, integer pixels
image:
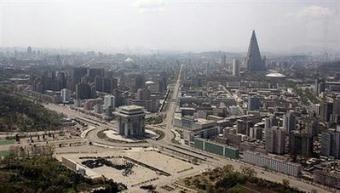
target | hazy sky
[{"x": 185, "y": 25}]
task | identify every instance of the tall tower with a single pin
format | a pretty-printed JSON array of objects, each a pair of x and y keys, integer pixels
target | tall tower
[
  {"x": 254, "y": 60},
  {"x": 236, "y": 67},
  {"x": 224, "y": 61},
  {"x": 29, "y": 50}
]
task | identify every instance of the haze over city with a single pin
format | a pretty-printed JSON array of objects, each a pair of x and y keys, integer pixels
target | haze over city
[
  {"x": 169, "y": 96},
  {"x": 283, "y": 26}
]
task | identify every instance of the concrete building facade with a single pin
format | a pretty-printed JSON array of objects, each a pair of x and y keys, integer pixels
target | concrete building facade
[
  {"x": 131, "y": 120},
  {"x": 263, "y": 160},
  {"x": 275, "y": 140},
  {"x": 254, "y": 61}
]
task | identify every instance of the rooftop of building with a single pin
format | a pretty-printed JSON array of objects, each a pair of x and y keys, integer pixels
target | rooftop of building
[
  {"x": 275, "y": 75},
  {"x": 202, "y": 121},
  {"x": 149, "y": 82},
  {"x": 130, "y": 110}
]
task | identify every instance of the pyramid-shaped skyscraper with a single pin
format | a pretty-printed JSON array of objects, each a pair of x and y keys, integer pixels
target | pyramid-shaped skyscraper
[{"x": 254, "y": 61}]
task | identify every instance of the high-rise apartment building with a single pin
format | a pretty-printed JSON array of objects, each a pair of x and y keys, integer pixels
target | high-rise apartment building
[{"x": 236, "y": 67}]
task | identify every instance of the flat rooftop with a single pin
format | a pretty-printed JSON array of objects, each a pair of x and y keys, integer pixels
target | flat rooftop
[
  {"x": 202, "y": 121},
  {"x": 131, "y": 108}
]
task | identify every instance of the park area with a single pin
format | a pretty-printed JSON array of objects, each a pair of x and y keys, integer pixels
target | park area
[
  {"x": 4, "y": 154},
  {"x": 228, "y": 180},
  {"x": 4, "y": 151},
  {"x": 7, "y": 141}
]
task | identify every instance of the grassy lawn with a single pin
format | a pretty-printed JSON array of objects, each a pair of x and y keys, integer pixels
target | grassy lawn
[
  {"x": 240, "y": 188},
  {"x": 4, "y": 153},
  {"x": 6, "y": 142}
]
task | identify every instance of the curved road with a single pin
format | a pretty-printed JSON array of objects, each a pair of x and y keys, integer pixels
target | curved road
[{"x": 95, "y": 122}]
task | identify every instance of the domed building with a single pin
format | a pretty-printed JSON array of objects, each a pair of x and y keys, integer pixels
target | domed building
[
  {"x": 274, "y": 79},
  {"x": 275, "y": 75},
  {"x": 129, "y": 60}
]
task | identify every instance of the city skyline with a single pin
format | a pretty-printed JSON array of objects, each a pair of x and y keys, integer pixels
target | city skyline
[
  {"x": 211, "y": 96},
  {"x": 282, "y": 26}
]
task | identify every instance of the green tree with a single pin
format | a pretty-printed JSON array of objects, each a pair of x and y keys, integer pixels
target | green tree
[
  {"x": 228, "y": 169},
  {"x": 314, "y": 191},
  {"x": 248, "y": 172},
  {"x": 285, "y": 182}
]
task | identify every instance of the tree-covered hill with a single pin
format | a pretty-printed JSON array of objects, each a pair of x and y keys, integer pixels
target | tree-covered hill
[
  {"x": 20, "y": 114},
  {"x": 44, "y": 174}
]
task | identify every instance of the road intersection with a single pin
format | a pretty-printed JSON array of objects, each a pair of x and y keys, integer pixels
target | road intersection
[{"x": 167, "y": 142}]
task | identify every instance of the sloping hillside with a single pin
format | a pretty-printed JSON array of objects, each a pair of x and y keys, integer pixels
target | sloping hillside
[
  {"x": 20, "y": 114},
  {"x": 44, "y": 174}
]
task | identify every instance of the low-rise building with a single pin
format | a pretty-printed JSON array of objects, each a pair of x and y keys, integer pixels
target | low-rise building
[
  {"x": 216, "y": 148},
  {"x": 272, "y": 163},
  {"x": 327, "y": 178},
  {"x": 202, "y": 128}
]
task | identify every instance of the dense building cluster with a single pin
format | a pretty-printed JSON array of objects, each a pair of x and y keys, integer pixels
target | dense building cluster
[
  {"x": 281, "y": 113},
  {"x": 96, "y": 82},
  {"x": 280, "y": 122}
]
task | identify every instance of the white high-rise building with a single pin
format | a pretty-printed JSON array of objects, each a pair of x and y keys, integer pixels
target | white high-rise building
[
  {"x": 65, "y": 95},
  {"x": 109, "y": 101},
  {"x": 275, "y": 140},
  {"x": 285, "y": 122}
]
